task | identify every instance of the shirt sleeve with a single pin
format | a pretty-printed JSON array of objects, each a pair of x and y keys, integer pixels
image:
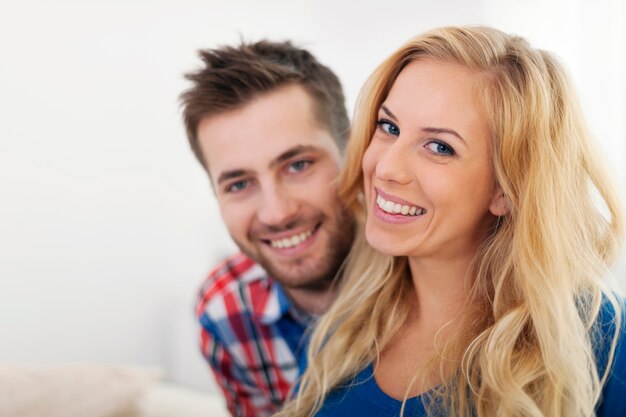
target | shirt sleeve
[{"x": 243, "y": 397}]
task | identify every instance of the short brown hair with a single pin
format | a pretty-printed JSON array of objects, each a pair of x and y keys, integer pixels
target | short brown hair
[{"x": 234, "y": 75}]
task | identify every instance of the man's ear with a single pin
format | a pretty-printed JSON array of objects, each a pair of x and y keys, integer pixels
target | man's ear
[{"x": 499, "y": 205}]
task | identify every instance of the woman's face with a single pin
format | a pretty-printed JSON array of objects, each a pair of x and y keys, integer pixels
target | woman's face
[{"x": 429, "y": 186}]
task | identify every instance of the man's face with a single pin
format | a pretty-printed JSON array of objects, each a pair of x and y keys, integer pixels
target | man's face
[{"x": 273, "y": 169}]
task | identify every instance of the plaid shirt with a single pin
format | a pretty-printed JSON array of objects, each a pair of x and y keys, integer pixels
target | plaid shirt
[{"x": 251, "y": 335}]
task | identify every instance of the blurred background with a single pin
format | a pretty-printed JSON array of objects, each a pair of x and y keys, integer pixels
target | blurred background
[{"x": 108, "y": 224}]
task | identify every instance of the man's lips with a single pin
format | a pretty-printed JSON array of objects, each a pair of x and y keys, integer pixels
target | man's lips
[{"x": 290, "y": 238}]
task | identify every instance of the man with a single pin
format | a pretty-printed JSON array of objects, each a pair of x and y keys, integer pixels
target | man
[{"x": 268, "y": 123}]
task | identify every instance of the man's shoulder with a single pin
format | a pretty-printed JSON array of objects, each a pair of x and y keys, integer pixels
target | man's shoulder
[{"x": 229, "y": 279}]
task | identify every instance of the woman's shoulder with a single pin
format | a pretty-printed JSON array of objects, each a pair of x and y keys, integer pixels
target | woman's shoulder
[
  {"x": 608, "y": 312},
  {"x": 611, "y": 319},
  {"x": 613, "y": 398}
]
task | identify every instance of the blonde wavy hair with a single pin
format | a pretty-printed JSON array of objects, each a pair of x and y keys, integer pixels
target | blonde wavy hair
[{"x": 539, "y": 277}]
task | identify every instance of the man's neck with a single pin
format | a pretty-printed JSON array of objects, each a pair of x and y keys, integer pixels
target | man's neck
[{"x": 315, "y": 302}]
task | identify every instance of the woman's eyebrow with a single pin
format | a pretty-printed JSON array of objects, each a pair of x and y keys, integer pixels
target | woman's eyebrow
[
  {"x": 452, "y": 132},
  {"x": 388, "y": 112},
  {"x": 443, "y": 130}
]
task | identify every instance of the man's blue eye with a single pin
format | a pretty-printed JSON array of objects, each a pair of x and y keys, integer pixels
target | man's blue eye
[
  {"x": 237, "y": 186},
  {"x": 440, "y": 148},
  {"x": 388, "y": 127},
  {"x": 299, "y": 166}
]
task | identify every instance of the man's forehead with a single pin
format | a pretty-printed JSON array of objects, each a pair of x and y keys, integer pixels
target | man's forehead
[{"x": 253, "y": 136}]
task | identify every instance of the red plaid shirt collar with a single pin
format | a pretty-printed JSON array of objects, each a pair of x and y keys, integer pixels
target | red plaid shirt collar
[{"x": 243, "y": 313}]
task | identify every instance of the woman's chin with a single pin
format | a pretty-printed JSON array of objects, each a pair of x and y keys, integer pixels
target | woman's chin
[{"x": 385, "y": 245}]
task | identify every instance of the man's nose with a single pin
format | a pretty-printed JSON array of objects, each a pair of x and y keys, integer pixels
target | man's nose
[{"x": 277, "y": 206}]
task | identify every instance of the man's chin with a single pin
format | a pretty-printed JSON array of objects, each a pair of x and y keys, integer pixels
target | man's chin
[
  {"x": 303, "y": 273},
  {"x": 299, "y": 274}
]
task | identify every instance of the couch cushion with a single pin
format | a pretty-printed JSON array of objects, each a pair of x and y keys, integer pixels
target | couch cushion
[{"x": 73, "y": 390}]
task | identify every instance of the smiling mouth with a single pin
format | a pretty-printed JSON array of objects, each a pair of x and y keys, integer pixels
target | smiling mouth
[
  {"x": 392, "y": 207},
  {"x": 293, "y": 240}
]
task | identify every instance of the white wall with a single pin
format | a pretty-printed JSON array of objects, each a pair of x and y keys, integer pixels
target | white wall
[{"x": 107, "y": 223}]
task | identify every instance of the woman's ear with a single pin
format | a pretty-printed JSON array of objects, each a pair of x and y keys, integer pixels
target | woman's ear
[{"x": 499, "y": 205}]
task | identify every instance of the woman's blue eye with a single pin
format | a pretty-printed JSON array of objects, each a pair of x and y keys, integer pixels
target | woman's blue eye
[
  {"x": 440, "y": 148},
  {"x": 237, "y": 186},
  {"x": 388, "y": 127},
  {"x": 299, "y": 166}
]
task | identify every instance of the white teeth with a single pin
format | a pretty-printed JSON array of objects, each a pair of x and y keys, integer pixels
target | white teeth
[
  {"x": 292, "y": 241},
  {"x": 395, "y": 208}
]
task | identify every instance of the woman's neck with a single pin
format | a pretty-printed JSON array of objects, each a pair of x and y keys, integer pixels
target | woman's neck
[{"x": 441, "y": 287}]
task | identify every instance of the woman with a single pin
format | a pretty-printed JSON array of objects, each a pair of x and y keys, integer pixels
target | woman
[{"x": 479, "y": 290}]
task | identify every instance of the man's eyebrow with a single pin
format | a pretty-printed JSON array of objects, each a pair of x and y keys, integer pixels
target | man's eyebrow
[
  {"x": 291, "y": 152},
  {"x": 228, "y": 175}
]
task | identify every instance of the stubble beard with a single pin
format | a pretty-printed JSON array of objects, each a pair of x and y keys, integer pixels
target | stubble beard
[{"x": 312, "y": 274}]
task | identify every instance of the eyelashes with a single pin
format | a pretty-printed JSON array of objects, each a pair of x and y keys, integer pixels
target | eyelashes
[
  {"x": 388, "y": 127},
  {"x": 440, "y": 148},
  {"x": 236, "y": 187},
  {"x": 299, "y": 166},
  {"x": 437, "y": 147}
]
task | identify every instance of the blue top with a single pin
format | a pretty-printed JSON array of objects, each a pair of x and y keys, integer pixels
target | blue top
[{"x": 363, "y": 397}]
